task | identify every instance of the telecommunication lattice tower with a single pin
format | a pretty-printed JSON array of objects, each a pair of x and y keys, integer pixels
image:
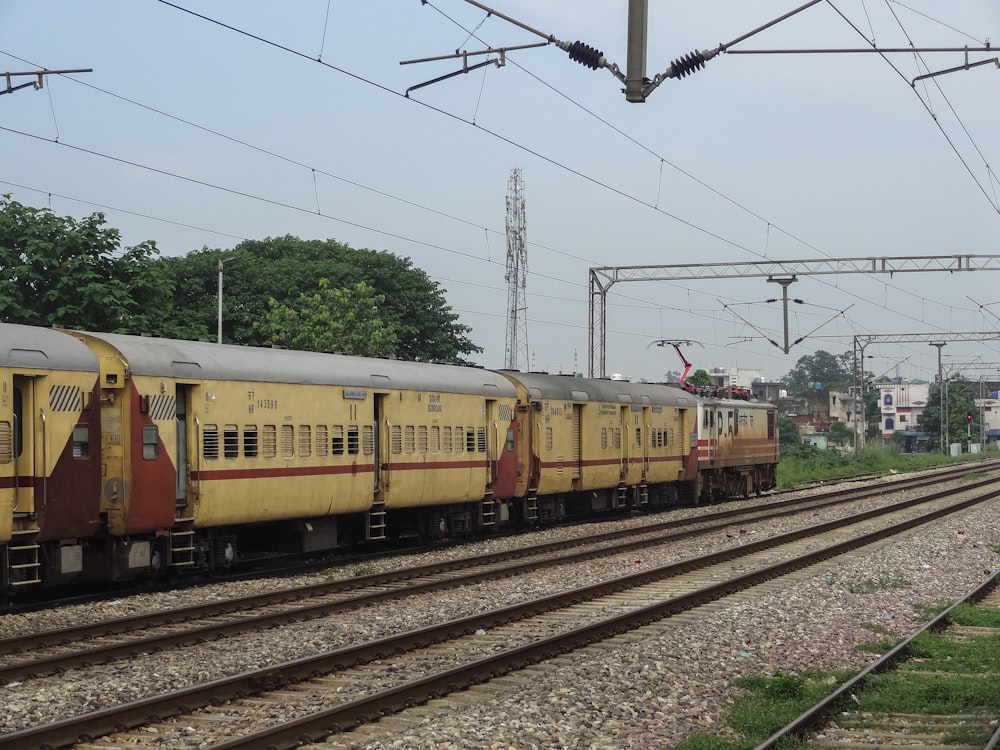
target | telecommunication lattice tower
[{"x": 516, "y": 276}]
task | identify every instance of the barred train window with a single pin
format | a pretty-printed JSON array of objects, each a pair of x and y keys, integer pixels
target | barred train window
[
  {"x": 250, "y": 441},
  {"x": 459, "y": 440},
  {"x": 470, "y": 440},
  {"x": 287, "y": 441},
  {"x": 305, "y": 441},
  {"x": 337, "y": 440},
  {"x": 150, "y": 442},
  {"x": 368, "y": 440},
  {"x": 446, "y": 439},
  {"x": 548, "y": 438},
  {"x": 321, "y": 441},
  {"x": 210, "y": 441},
  {"x": 435, "y": 444},
  {"x": 6, "y": 443},
  {"x": 396, "y": 439},
  {"x": 408, "y": 439},
  {"x": 352, "y": 439},
  {"x": 270, "y": 441},
  {"x": 422, "y": 439},
  {"x": 231, "y": 441},
  {"x": 481, "y": 440},
  {"x": 638, "y": 437},
  {"x": 604, "y": 437},
  {"x": 81, "y": 441},
  {"x": 618, "y": 437}
]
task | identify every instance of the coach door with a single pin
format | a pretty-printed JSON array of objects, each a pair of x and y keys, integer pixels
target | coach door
[
  {"x": 180, "y": 480},
  {"x": 19, "y": 446}
]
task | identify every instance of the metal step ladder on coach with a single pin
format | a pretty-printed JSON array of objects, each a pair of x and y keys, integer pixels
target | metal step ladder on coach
[
  {"x": 488, "y": 511},
  {"x": 22, "y": 566},
  {"x": 375, "y": 521},
  {"x": 182, "y": 548}
]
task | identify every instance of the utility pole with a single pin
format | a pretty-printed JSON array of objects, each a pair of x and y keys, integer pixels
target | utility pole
[{"x": 941, "y": 391}]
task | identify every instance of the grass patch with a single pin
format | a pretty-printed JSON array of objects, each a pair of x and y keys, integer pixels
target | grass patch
[
  {"x": 765, "y": 705},
  {"x": 924, "y": 694},
  {"x": 943, "y": 653},
  {"x": 363, "y": 570},
  {"x": 976, "y": 617},
  {"x": 802, "y": 464},
  {"x": 929, "y": 611},
  {"x": 871, "y": 585}
]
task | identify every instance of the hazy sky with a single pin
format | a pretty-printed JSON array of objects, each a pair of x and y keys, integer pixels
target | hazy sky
[{"x": 206, "y": 123}]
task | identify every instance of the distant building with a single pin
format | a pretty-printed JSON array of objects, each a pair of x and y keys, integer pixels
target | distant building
[{"x": 726, "y": 377}]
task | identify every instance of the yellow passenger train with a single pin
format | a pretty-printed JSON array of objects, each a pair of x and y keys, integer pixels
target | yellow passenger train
[{"x": 171, "y": 455}]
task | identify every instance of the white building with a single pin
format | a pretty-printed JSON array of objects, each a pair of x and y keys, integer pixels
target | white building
[{"x": 901, "y": 405}]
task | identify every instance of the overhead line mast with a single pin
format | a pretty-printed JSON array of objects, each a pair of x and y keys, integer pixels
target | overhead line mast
[{"x": 517, "y": 275}]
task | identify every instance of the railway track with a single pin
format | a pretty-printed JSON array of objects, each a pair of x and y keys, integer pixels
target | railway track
[
  {"x": 492, "y": 644},
  {"x": 841, "y": 721},
  {"x": 49, "y": 652}
]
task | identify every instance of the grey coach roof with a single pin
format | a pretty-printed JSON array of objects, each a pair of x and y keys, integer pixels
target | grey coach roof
[
  {"x": 569, "y": 388},
  {"x": 43, "y": 348},
  {"x": 197, "y": 360}
]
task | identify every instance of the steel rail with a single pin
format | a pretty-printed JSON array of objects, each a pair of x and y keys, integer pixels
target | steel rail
[{"x": 349, "y": 715}]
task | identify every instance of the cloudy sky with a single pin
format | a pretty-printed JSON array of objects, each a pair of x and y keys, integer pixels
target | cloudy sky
[{"x": 203, "y": 124}]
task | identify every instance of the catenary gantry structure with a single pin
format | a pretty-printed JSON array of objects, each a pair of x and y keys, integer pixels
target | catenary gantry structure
[{"x": 602, "y": 279}]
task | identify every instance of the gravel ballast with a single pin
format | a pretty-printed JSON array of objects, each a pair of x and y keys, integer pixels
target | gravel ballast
[{"x": 645, "y": 690}]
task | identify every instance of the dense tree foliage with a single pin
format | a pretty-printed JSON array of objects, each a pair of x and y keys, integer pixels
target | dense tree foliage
[
  {"x": 830, "y": 371},
  {"x": 283, "y": 268},
  {"x": 332, "y": 320},
  {"x": 58, "y": 271},
  {"x": 959, "y": 402},
  {"x": 700, "y": 378}
]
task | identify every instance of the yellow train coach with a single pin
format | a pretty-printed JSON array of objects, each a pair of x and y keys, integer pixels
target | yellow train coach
[
  {"x": 222, "y": 451},
  {"x": 592, "y": 444}
]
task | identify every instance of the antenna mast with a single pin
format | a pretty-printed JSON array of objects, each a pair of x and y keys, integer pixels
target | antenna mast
[{"x": 517, "y": 275}]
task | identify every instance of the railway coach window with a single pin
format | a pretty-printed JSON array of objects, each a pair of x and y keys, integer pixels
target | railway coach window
[
  {"x": 270, "y": 441},
  {"x": 638, "y": 437},
  {"x": 481, "y": 440},
  {"x": 396, "y": 439},
  {"x": 548, "y": 438},
  {"x": 321, "y": 441},
  {"x": 250, "y": 445},
  {"x": 408, "y": 439},
  {"x": 305, "y": 441},
  {"x": 81, "y": 441},
  {"x": 231, "y": 441},
  {"x": 352, "y": 440},
  {"x": 287, "y": 441},
  {"x": 470, "y": 440},
  {"x": 446, "y": 439},
  {"x": 210, "y": 442},
  {"x": 6, "y": 443},
  {"x": 337, "y": 440},
  {"x": 435, "y": 439},
  {"x": 604, "y": 437},
  {"x": 150, "y": 442},
  {"x": 459, "y": 439},
  {"x": 422, "y": 439},
  {"x": 368, "y": 440}
]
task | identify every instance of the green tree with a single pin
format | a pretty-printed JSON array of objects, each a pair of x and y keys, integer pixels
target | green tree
[
  {"x": 700, "y": 378},
  {"x": 283, "y": 268},
  {"x": 960, "y": 402},
  {"x": 832, "y": 371},
  {"x": 63, "y": 272},
  {"x": 840, "y": 433},
  {"x": 788, "y": 432},
  {"x": 332, "y": 320}
]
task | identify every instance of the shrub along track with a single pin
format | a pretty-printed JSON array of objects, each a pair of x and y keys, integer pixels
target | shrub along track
[{"x": 313, "y": 697}]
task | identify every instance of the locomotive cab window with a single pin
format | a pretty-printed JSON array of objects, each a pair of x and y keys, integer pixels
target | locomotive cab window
[{"x": 150, "y": 442}]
